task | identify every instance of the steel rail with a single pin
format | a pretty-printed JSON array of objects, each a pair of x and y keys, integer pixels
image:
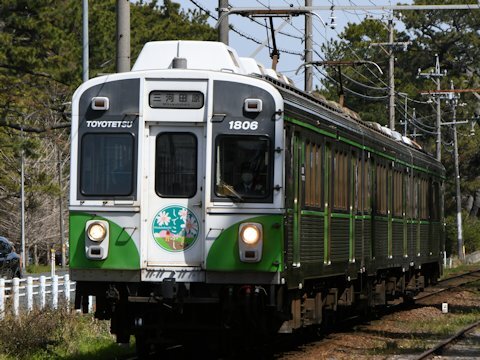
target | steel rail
[
  {"x": 439, "y": 347},
  {"x": 423, "y": 295}
]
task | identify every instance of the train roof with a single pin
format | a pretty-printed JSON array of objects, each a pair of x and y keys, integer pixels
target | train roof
[{"x": 186, "y": 54}]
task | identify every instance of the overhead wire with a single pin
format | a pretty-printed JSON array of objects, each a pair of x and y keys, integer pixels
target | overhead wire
[
  {"x": 241, "y": 33},
  {"x": 323, "y": 73}
]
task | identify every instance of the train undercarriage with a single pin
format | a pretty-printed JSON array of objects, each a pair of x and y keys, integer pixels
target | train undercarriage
[{"x": 169, "y": 313}]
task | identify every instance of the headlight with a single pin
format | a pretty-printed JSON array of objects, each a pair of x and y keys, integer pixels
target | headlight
[
  {"x": 96, "y": 231},
  {"x": 250, "y": 234}
]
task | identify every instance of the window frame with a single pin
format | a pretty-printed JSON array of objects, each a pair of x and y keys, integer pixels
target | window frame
[
  {"x": 267, "y": 197},
  {"x": 81, "y": 166},
  {"x": 156, "y": 181}
]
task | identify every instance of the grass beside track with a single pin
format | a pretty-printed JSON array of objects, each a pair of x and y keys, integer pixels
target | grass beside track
[
  {"x": 422, "y": 334},
  {"x": 57, "y": 334}
]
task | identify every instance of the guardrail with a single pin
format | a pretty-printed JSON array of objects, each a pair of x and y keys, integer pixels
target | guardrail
[{"x": 30, "y": 292}]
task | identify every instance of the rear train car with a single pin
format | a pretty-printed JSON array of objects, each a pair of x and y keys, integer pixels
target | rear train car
[{"x": 208, "y": 197}]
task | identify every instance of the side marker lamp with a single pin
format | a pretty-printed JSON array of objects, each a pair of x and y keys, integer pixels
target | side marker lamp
[
  {"x": 100, "y": 103},
  {"x": 253, "y": 105}
]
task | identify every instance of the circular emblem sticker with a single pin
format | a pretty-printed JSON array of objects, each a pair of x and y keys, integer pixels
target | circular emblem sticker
[{"x": 175, "y": 228}]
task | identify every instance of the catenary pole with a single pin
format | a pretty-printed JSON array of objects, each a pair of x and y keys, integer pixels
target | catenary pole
[
  {"x": 391, "y": 76},
  {"x": 123, "y": 36},
  {"x": 458, "y": 194},
  {"x": 22, "y": 200},
  {"x": 308, "y": 48},
  {"x": 224, "y": 25},
  {"x": 60, "y": 202},
  {"x": 85, "y": 42},
  {"x": 435, "y": 76}
]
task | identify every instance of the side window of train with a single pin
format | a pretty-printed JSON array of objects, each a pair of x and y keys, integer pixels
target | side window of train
[
  {"x": 408, "y": 195},
  {"x": 397, "y": 193},
  {"x": 425, "y": 214},
  {"x": 357, "y": 182},
  {"x": 289, "y": 144},
  {"x": 340, "y": 180},
  {"x": 381, "y": 199},
  {"x": 415, "y": 197},
  {"x": 176, "y": 165},
  {"x": 367, "y": 184},
  {"x": 435, "y": 201},
  {"x": 313, "y": 174}
]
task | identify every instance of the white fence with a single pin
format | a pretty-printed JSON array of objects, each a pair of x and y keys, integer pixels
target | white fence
[{"x": 25, "y": 294}]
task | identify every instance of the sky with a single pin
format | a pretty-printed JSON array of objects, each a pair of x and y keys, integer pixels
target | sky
[{"x": 290, "y": 39}]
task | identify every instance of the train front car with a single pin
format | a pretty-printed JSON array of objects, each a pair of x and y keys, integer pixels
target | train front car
[{"x": 176, "y": 202}]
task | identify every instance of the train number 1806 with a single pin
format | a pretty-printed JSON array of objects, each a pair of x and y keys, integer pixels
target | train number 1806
[{"x": 243, "y": 125}]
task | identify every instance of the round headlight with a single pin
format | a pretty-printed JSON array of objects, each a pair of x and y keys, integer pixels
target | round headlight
[
  {"x": 250, "y": 234},
  {"x": 96, "y": 231}
]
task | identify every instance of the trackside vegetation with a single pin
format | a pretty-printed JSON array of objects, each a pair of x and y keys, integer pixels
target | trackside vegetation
[{"x": 58, "y": 334}]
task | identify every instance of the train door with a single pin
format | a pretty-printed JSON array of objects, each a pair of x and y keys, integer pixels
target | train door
[
  {"x": 298, "y": 182},
  {"x": 328, "y": 198},
  {"x": 175, "y": 196}
]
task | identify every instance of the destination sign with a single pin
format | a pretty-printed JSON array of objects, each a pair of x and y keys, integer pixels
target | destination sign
[{"x": 176, "y": 99}]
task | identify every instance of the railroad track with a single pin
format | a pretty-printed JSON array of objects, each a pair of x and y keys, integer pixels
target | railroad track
[
  {"x": 441, "y": 347},
  {"x": 449, "y": 284}
]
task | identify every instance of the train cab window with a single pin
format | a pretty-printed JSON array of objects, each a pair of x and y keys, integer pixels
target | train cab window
[
  {"x": 242, "y": 167},
  {"x": 176, "y": 165},
  {"x": 107, "y": 164}
]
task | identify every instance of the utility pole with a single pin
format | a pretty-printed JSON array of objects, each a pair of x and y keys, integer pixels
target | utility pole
[
  {"x": 308, "y": 49},
  {"x": 22, "y": 200},
  {"x": 391, "y": 77},
  {"x": 405, "y": 113},
  {"x": 85, "y": 42},
  {"x": 224, "y": 26},
  {"x": 391, "y": 69},
  {"x": 435, "y": 76},
  {"x": 123, "y": 36},
  {"x": 60, "y": 201},
  {"x": 461, "y": 253},
  {"x": 452, "y": 97}
]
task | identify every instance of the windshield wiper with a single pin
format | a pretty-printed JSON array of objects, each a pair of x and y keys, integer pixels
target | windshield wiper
[{"x": 229, "y": 191}]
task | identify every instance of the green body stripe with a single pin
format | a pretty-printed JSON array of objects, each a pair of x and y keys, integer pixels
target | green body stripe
[
  {"x": 310, "y": 127},
  {"x": 224, "y": 253},
  {"x": 340, "y": 216},
  {"x": 313, "y": 213},
  {"x": 336, "y": 215},
  {"x": 122, "y": 253}
]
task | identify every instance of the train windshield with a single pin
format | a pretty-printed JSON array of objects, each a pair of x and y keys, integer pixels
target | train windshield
[
  {"x": 242, "y": 167},
  {"x": 106, "y": 164}
]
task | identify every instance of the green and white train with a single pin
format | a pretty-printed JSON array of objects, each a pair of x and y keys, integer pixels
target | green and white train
[{"x": 210, "y": 195}]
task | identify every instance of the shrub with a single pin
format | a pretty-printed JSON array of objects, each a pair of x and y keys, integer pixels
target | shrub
[
  {"x": 471, "y": 234},
  {"x": 31, "y": 332},
  {"x": 57, "y": 334}
]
